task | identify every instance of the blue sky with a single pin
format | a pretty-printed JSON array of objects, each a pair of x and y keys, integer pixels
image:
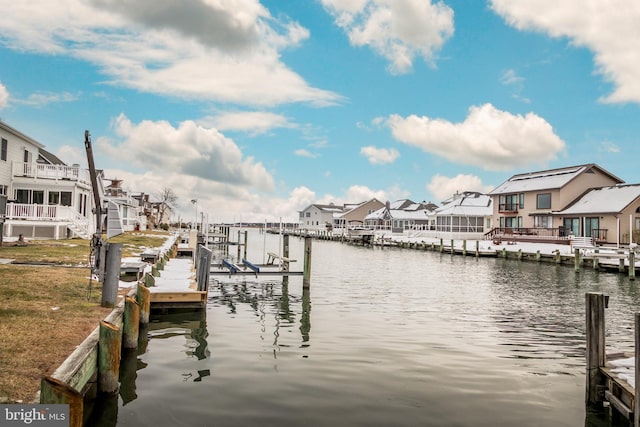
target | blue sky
[{"x": 260, "y": 108}]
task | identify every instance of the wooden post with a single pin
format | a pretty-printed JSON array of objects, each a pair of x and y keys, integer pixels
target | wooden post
[
  {"x": 595, "y": 305},
  {"x": 57, "y": 392},
  {"x": 109, "y": 349},
  {"x": 596, "y": 260},
  {"x": 621, "y": 265},
  {"x": 558, "y": 257},
  {"x": 464, "y": 247},
  {"x": 477, "y": 248},
  {"x": 131, "y": 323},
  {"x": 246, "y": 234},
  {"x": 285, "y": 251},
  {"x": 538, "y": 257},
  {"x": 576, "y": 260},
  {"x": 451, "y": 246},
  {"x": 239, "y": 244},
  {"x": 111, "y": 274},
  {"x": 441, "y": 245},
  {"x": 306, "y": 276},
  {"x": 632, "y": 265},
  {"x": 144, "y": 301},
  {"x": 636, "y": 413},
  {"x": 519, "y": 254},
  {"x": 504, "y": 253}
]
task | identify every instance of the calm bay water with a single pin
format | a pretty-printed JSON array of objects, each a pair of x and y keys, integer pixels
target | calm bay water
[{"x": 384, "y": 337}]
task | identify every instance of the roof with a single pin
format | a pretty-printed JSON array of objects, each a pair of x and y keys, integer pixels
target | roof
[
  {"x": 473, "y": 204},
  {"x": 547, "y": 180},
  {"x": 604, "y": 200},
  {"x": 19, "y": 134},
  {"x": 49, "y": 157},
  {"x": 326, "y": 208}
]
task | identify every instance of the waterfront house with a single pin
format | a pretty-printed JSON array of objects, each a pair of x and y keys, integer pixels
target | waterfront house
[
  {"x": 605, "y": 215},
  {"x": 46, "y": 198},
  {"x": 524, "y": 205},
  {"x": 124, "y": 210},
  {"x": 403, "y": 215},
  {"x": 318, "y": 217},
  {"x": 355, "y": 214},
  {"x": 465, "y": 215}
]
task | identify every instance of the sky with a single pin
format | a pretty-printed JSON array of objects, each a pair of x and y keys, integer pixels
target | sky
[{"x": 257, "y": 109}]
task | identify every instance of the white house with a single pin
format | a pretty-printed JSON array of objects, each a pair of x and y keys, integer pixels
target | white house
[
  {"x": 403, "y": 215},
  {"x": 45, "y": 197},
  {"x": 318, "y": 217},
  {"x": 466, "y": 215}
]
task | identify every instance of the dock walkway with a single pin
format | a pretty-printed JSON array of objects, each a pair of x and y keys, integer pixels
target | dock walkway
[{"x": 176, "y": 286}]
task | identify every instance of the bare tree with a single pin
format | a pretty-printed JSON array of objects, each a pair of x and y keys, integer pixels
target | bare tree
[{"x": 167, "y": 202}]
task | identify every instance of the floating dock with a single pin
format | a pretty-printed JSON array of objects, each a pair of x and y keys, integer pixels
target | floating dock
[{"x": 176, "y": 286}]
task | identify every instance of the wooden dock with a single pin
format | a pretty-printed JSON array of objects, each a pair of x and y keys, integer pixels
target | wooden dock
[{"x": 612, "y": 378}]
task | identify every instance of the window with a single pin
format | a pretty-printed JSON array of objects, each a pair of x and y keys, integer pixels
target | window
[
  {"x": 542, "y": 221},
  {"x": 521, "y": 200},
  {"x": 308, "y": 214},
  {"x": 3, "y": 153},
  {"x": 543, "y": 201},
  {"x": 60, "y": 198},
  {"x": 30, "y": 197},
  {"x": 3, "y": 190}
]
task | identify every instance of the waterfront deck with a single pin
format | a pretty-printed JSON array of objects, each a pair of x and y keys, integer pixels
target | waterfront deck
[{"x": 176, "y": 286}]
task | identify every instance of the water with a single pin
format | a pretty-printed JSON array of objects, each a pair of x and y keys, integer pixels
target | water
[{"x": 385, "y": 337}]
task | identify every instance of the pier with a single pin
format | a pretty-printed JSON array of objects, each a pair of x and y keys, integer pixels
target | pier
[{"x": 615, "y": 377}]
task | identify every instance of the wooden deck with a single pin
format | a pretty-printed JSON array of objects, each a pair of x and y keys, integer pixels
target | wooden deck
[{"x": 176, "y": 287}]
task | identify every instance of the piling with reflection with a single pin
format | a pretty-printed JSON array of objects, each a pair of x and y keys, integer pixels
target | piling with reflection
[{"x": 306, "y": 274}]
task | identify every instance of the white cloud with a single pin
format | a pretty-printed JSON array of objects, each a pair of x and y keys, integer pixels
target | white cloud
[
  {"x": 189, "y": 149},
  {"x": 254, "y": 122},
  {"x": 362, "y": 193},
  {"x": 42, "y": 99},
  {"x": 609, "y": 147},
  {"x": 305, "y": 153},
  {"x": 443, "y": 187},
  {"x": 4, "y": 96},
  {"x": 378, "y": 156},
  {"x": 489, "y": 138},
  {"x": 398, "y": 30},
  {"x": 510, "y": 77},
  {"x": 609, "y": 31},
  {"x": 227, "y": 50}
]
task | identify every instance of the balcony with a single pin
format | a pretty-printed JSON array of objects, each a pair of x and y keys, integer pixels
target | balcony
[
  {"x": 508, "y": 208},
  {"x": 54, "y": 172}
]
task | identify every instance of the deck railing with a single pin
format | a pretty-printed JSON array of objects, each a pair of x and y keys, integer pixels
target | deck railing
[
  {"x": 44, "y": 171},
  {"x": 41, "y": 212}
]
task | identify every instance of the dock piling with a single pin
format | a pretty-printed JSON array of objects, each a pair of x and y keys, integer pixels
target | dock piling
[
  {"x": 109, "y": 349},
  {"x": 632, "y": 265},
  {"x": 306, "y": 277},
  {"x": 144, "y": 301},
  {"x": 131, "y": 323},
  {"x": 595, "y": 352},
  {"x": 113, "y": 259}
]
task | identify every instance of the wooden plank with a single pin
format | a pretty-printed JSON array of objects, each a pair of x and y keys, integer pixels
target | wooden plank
[
  {"x": 623, "y": 409},
  {"x": 81, "y": 365},
  {"x": 178, "y": 296}
]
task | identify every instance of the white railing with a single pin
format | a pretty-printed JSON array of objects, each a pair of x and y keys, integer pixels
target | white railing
[
  {"x": 43, "y": 171},
  {"x": 42, "y": 212}
]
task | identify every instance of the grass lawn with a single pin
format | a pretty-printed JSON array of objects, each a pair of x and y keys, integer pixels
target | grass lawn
[{"x": 45, "y": 309}]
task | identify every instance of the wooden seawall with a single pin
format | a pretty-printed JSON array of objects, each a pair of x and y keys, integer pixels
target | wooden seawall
[{"x": 95, "y": 364}]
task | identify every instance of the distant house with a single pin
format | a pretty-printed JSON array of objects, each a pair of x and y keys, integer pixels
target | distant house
[
  {"x": 606, "y": 214},
  {"x": 465, "y": 215},
  {"x": 318, "y": 217},
  {"x": 356, "y": 213},
  {"x": 46, "y": 197},
  {"x": 403, "y": 215},
  {"x": 525, "y": 204},
  {"x": 124, "y": 210}
]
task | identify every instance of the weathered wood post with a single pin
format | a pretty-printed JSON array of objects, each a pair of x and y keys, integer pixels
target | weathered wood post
[
  {"x": 576, "y": 260},
  {"x": 477, "y": 248},
  {"x": 504, "y": 253},
  {"x": 538, "y": 257},
  {"x": 306, "y": 275},
  {"x": 54, "y": 391},
  {"x": 621, "y": 265},
  {"x": 451, "y": 246},
  {"x": 441, "y": 245},
  {"x": 239, "y": 244},
  {"x": 464, "y": 247},
  {"x": 558, "y": 257},
  {"x": 204, "y": 268},
  {"x": 519, "y": 254},
  {"x": 636, "y": 413},
  {"x": 596, "y": 260},
  {"x": 632, "y": 265},
  {"x": 246, "y": 235},
  {"x": 111, "y": 274},
  {"x": 285, "y": 251},
  {"x": 109, "y": 349},
  {"x": 131, "y": 323},
  {"x": 595, "y": 305},
  {"x": 144, "y": 301}
]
